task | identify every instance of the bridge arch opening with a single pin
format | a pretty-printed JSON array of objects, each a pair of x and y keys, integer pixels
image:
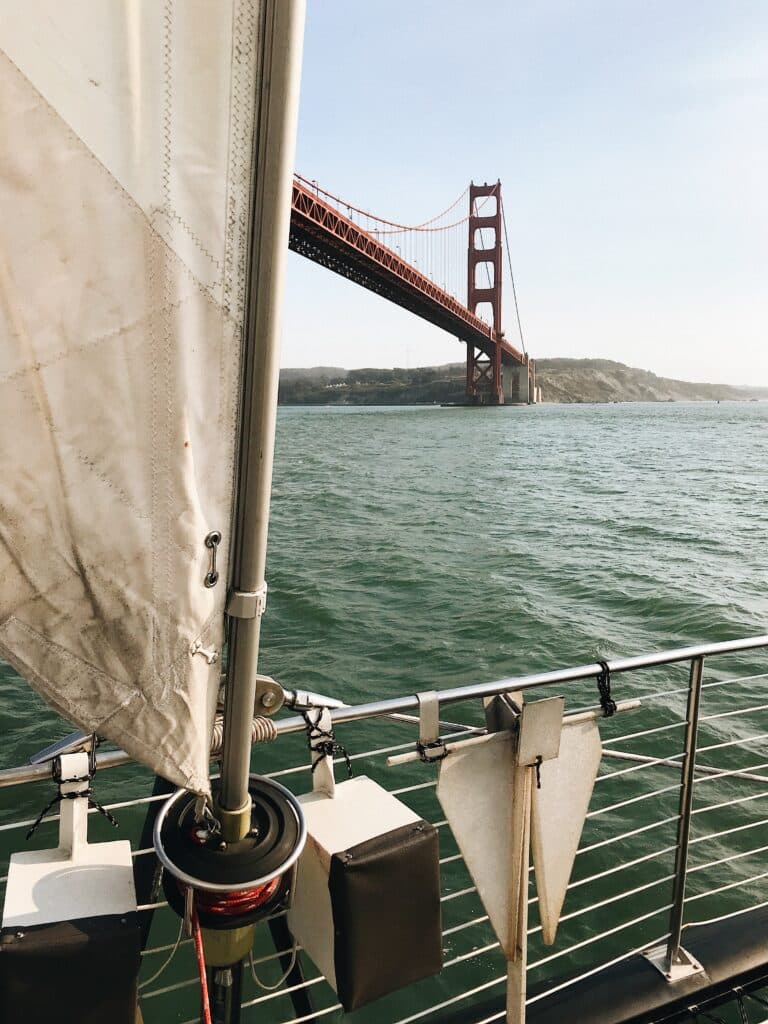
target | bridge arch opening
[
  {"x": 484, "y": 239},
  {"x": 486, "y": 206},
  {"x": 485, "y": 311},
  {"x": 485, "y": 275}
]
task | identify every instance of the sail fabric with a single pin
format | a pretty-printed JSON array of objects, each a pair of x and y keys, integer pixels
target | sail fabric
[{"x": 125, "y": 155}]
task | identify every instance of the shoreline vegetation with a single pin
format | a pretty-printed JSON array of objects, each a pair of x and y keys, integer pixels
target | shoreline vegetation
[{"x": 569, "y": 381}]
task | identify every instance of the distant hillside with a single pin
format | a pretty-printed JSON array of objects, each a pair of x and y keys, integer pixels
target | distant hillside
[
  {"x": 313, "y": 373},
  {"x": 602, "y": 380},
  {"x": 561, "y": 380}
]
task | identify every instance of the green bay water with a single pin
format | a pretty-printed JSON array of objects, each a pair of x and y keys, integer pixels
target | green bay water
[
  {"x": 437, "y": 546},
  {"x": 423, "y": 548}
]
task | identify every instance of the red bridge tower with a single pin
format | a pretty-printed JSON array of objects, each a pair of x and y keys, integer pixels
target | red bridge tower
[{"x": 484, "y": 379}]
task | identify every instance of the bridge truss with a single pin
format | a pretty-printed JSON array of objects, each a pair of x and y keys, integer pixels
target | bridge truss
[{"x": 351, "y": 244}]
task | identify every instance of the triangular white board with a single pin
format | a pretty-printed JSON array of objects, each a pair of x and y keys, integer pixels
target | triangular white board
[
  {"x": 475, "y": 790},
  {"x": 559, "y": 809}
]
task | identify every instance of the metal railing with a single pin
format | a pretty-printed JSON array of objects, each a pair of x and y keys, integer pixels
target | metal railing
[{"x": 674, "y": 836}]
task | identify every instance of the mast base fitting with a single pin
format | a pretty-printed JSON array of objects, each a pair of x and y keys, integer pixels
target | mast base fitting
[
  {"x": 234, "y": 884},
  {"x": 235, "y": 825},
  {"x": 222, "y": 949}
]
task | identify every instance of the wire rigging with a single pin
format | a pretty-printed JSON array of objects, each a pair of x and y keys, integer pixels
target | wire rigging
[
  {"x": 436, "y": 249},
  {"x": 382, "y": 220},
  {"x": 512, "y": 278}
]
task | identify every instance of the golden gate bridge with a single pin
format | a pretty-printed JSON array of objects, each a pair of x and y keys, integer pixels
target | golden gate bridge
[{"x": 447, "y": 270}]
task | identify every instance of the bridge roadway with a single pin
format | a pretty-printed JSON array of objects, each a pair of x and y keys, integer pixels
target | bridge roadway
[{"x": 322, "y": 234}]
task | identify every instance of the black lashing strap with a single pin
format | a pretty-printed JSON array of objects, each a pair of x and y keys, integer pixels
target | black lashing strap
[{"x": 607, "y": 703}]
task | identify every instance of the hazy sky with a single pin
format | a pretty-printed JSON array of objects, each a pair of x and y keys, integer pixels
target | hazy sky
[{"x": 631, "y": 139}]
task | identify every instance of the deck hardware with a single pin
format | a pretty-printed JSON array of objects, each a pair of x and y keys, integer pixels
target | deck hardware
[
  {"x": 323, "y": 747},
  {"x": 676, "y": 958},
  {"x": 72, "y": 774},
  {"x": 70, "y": 744},
  {"x": 684, "y": 966},
  {"x": 269, "y": 698},
  {"x": 212, "y": 542},
  {"x": 247, "y": 604},
  {"x": 607, "y": 703},
  {"x": 430, "y": 747},
  {"x": 210, "y": 655}
]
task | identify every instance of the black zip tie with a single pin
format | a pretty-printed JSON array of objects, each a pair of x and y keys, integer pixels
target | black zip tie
[
  {"x": 424, "y": 748},
  {"x": 323, "y": 742},
  {"x": 607, "y": 703}
]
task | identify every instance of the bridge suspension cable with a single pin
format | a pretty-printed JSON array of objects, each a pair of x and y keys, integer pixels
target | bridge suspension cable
[
  {"x": 424, "y": 226},
  {"x": 512, "y": 278},
  {"x": 436, "y": 247}
]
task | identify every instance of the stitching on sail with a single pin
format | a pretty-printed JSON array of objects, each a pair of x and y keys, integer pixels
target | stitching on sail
[
  {"x": 241, "y": 120},
  {"x": 160, "y": 258},
  {"x": 167, "y": 101},
  {"x": 136, "y": 210},
  {"x": 160, "y": 439},
  {"x": 84, "y": 346},
  {"x": 168, "y": 209},
  {"x": 90, "y": 463},
  {"x": 184, "y": 644},
  {"x": 66, "y": 656},
  {"x": 152, "y": 673},
  {"x": 172, "y": 215},
  {"x": 151, "y": 256},
  {"x": 79, "y": 710}
]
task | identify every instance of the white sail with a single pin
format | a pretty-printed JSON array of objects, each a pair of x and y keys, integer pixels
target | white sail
[{"x": 125, "y": 159}]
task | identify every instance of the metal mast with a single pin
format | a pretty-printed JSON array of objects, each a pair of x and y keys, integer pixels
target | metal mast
[{"x": 282, "y": 25}]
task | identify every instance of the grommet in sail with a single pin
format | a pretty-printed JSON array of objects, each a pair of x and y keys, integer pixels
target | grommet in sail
[{"x": 233, "y": 883}]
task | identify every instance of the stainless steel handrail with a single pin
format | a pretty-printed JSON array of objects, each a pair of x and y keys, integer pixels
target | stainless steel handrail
[
  {"x": 400, "y": 705},
  {"x": 684, "y": 763},
  {"x": 673, "y": 954}
]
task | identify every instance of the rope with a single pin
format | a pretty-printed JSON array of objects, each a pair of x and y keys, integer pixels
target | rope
[
  {"x": 238, "y": 901},
  {"x": 607, "y": 703},
  {"x": 172, "y": 954},
  {"x": 197, "y": 936},
  {"x": 92, "y": 803},
  {"x": 425, "y": 748},
  {"x": 512, "y": 276},
  {"x": 283, "y": 977},
  {"x": 322, "y": 742}
]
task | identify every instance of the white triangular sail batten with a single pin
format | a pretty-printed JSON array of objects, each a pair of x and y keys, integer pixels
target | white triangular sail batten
[
  {"x": 125, "y": 176},
  {"x": 559, "y": 810},
  {"x": 493, "y": 815},
  {"x": 476, "y": 790}
]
